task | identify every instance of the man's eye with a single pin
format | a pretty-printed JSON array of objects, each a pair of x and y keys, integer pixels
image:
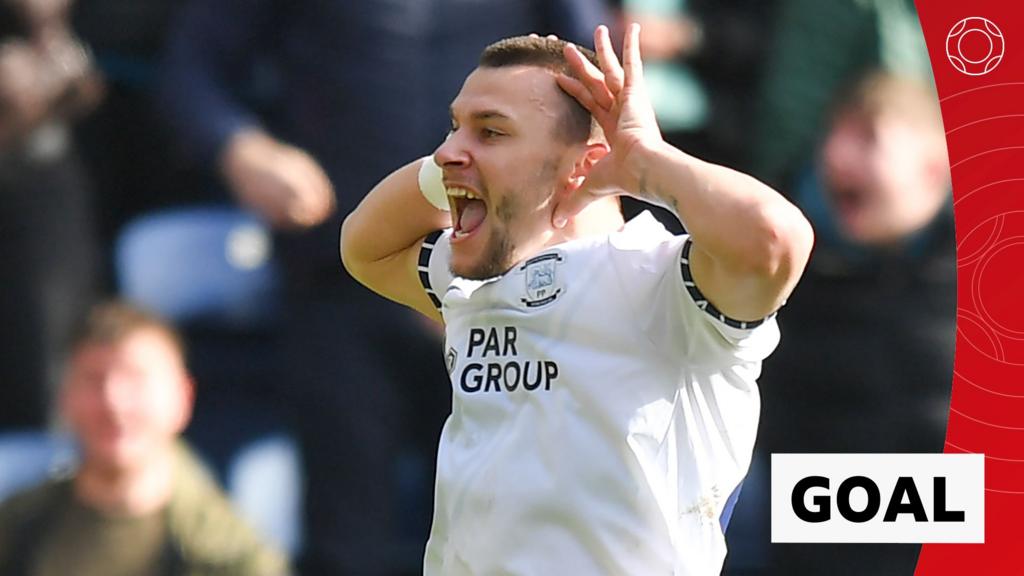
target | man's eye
[{"x": 490, "y": 133}]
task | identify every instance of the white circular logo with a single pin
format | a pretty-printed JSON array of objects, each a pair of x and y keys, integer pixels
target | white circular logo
[{"x": 975, "y": 46}]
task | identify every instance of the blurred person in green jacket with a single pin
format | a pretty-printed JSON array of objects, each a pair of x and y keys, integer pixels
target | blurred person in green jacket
[{"x": 140, "y": 503}]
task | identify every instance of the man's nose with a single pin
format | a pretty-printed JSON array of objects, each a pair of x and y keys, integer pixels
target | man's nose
[{"x": 452, "y": 152}]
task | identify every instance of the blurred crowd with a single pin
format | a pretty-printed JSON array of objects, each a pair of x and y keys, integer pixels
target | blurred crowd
[{"x": 192, "y": 160}]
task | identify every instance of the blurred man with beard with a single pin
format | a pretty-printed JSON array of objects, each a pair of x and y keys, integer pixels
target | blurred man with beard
[{"x": 140, "y": 503}]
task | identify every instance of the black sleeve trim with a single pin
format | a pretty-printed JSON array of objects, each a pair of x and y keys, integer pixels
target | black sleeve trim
[
  {"x": 423, "y": 267},
  {"x": 702, "y": 302}
]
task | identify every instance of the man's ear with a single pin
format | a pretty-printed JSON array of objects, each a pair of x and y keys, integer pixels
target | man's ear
[
  {"x": 593, "y": 154},
  {"x": 188, "y": 398},
  {"x": 567, "y": 203}
]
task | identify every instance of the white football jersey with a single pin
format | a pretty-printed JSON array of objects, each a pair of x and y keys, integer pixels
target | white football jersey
[{"x": 602, "y": 414}]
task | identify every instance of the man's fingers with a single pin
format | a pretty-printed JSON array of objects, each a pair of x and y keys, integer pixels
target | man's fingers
[
  {"x": 631, "y": 63},
  {"x": 305, "y": 193},
  {"x": 590, "y": 75},
  {"x": 319, "y": 198},
  {"x": 579, "y": 199},
  {"x": 312, "y": 185},
  {"x": 577, "y": 90},
  {"x": 613, "y": 74},
  {"x": 274, "y": 210},
  {"x": 570, "y": 207}
]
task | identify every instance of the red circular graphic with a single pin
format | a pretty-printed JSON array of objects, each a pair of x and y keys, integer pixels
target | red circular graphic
[
  {"x": 975, "y": 243},
  {"x": 975, "y": 46},
  {"x": 978, "y": 336},
  {"x": 1000, "y": 285}
]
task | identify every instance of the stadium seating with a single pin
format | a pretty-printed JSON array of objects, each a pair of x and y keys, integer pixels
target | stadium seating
[{"x": 27, "y": 457}]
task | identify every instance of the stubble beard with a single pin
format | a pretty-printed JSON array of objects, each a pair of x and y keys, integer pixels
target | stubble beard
[
  {"x": 496, "y": 260},
  {"x": 498, "y": 256}
]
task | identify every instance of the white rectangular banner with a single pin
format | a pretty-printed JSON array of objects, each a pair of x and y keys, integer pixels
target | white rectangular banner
[{"x": 858, "y": 498}]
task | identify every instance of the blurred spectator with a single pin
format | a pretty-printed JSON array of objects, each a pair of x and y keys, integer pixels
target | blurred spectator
[
  {"x": 45, "y": 73},
  {"x": 361, "y": 87},
  {"x": 127, "y": 150},
  {"x": 47, "y": 246},
  {"x": 884, "y": 164},
  {"x": 820, "y": 47},
  {"x": 140, "y": 503},
  {"x": 866, "y": 362}
]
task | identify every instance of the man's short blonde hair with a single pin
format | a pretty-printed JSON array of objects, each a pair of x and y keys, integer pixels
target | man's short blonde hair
[
  {"x": 113, "y": 321},
  {"x": 880, "y": 93}
]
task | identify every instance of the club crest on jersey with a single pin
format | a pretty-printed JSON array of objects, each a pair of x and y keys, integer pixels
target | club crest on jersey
[{"x": 542, "y": 282}]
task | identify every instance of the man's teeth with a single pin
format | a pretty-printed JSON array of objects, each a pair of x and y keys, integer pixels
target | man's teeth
[{"x": 462, "y": 193}]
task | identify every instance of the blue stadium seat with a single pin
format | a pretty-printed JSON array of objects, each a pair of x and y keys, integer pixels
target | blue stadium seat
[
  {"x": 27, "y": 457},
  {"x": 198, "y": 264},
  {"x": 265, "y": 483}
]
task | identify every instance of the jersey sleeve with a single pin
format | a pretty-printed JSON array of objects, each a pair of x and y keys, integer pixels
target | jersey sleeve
[
  {"x": 676, "y": 316},
  {"x": 748, "y": 340},
  {"x": 432, "y": 267}
]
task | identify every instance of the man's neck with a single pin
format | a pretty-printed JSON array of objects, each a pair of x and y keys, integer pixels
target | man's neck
[
  {"x": 597, "y": 219},
  {"x": 135, "y": 491}
]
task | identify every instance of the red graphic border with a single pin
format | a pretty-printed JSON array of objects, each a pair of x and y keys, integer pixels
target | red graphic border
[{"x": 984, "y": 123}]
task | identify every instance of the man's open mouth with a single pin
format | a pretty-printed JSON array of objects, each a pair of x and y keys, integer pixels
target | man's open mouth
[
  {"x": 468, "y": 211},
  {"x": 848, "y": 201}
]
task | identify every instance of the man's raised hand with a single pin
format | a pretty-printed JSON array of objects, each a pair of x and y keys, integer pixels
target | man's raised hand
[{"x": 615, "y": 94}]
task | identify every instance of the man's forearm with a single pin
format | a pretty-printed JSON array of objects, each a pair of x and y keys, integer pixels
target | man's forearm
[
  {"x": 740, "y": 222},
  {"x": 390, "y": 219}
]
